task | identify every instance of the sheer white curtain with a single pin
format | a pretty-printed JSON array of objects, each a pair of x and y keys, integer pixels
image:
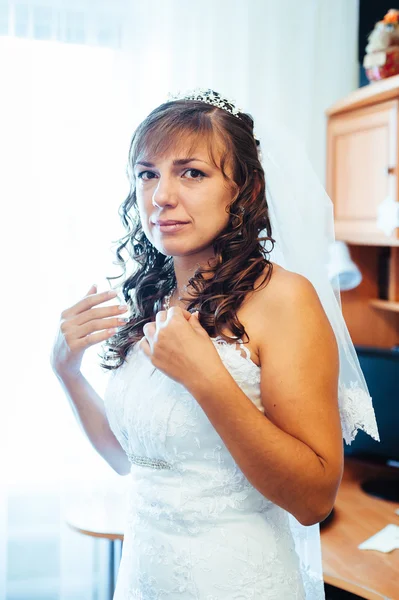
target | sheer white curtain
[{"x": 76, "y": 78}]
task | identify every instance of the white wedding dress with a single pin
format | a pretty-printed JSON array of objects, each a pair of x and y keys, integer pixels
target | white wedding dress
[{"x": 196, "y": 528}]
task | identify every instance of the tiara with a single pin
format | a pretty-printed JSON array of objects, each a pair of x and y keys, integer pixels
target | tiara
[{"x": 209, "y": 97}]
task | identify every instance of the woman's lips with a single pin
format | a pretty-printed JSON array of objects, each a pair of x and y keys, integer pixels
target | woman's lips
[{"x": 170, "y": 228}]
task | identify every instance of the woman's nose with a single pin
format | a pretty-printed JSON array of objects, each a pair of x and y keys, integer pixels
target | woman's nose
[{"x": 165, "y": 192}]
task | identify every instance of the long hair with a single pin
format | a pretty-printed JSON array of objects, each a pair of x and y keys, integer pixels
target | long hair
[{"x": 239, "y": 257}]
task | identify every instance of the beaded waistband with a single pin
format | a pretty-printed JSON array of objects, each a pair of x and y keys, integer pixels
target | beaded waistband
[{"x": 153, "y": 463}]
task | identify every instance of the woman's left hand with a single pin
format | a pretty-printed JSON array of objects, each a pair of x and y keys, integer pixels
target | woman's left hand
[{"x": 178, "y": 345}]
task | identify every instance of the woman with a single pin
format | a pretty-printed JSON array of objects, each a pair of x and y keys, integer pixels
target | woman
[{"x": 234, "y": 445}]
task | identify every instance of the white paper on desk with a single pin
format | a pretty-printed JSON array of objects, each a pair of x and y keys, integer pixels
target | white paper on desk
[
  {"x": 397, "y": 511},
  {"x": 385, "y": 540}
]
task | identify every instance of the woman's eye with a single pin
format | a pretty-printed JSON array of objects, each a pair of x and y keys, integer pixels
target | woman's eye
[
  {"x": 199, "y": 174},
  {"x": 140, "y": 175}
]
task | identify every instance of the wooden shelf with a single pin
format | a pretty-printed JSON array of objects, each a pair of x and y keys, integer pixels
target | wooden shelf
[
  {"x": 385, "y": 305},
  {"x": 368, "y": 95},
  {"x": 367, "y": 241}
]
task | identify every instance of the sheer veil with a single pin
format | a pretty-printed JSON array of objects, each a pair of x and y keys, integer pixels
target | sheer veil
[{"x": 302, "y": 221}]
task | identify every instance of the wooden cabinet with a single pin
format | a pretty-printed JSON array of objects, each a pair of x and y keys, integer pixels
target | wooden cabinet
[{"x": 362, "y": 173}]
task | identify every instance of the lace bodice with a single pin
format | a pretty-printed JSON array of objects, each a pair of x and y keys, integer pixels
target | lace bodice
[{"x": 196, "y": 528}]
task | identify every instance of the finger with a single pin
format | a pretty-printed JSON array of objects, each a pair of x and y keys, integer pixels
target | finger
[
  {"x": 187, "y": 314},
  {"x": 149, "y": 330},
  {"x": 194, "y": 319},
  {"x": 87, "y": 326},
  {"x": 177, "y": 310},
  {"x": 87, "y": 303},
  {"x": 144, "y": 347},
  {"x": 161, "y": 316},
  {"x": 86, "y": 341},
  {"x": 117, "y": 311}
]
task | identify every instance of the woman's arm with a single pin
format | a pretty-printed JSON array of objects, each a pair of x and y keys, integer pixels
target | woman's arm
[{"x": 294, "y": 453}]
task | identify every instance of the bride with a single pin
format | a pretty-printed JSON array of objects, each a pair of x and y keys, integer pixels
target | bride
[{"x": 228, "y": 392}]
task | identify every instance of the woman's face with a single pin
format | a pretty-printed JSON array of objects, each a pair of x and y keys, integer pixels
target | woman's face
[{"x": 184, "y": 188}]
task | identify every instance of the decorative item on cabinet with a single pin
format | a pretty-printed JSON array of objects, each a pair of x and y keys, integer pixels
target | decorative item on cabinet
[
  {"x": 382, "y": 51},
  {"x": 388, "y": 215}
]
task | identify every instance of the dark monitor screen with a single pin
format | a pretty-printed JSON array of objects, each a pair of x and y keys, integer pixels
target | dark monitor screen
[{"x": 381, "y": 371}]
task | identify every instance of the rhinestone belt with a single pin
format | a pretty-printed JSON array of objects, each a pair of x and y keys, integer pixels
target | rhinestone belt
[{"x": 153, "y": 463}]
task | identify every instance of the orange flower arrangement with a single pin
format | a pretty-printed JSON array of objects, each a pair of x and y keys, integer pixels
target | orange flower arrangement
[
  {"x": 382, "y": 51},
  {"x": 392, "y": 17}
]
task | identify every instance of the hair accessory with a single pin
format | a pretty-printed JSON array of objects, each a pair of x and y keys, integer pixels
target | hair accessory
[{"x": 209, "y": 97}]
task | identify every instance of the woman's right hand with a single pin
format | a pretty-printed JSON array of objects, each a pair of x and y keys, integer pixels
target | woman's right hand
[{"x": 82, "y": 326}]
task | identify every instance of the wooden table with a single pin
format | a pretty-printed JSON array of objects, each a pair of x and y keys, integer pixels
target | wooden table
[
  {"x": 103, "y": 519},
  {"x": 368, "y": 573}
]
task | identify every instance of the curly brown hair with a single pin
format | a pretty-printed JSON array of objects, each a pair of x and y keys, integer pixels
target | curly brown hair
[{"x": 239, "y": 257}]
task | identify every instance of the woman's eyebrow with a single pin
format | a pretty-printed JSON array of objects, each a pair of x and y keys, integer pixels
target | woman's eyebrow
[{"x": 176, "y": 162}]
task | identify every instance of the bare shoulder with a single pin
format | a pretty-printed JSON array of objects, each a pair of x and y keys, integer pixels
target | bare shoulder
[
  {"x": 286, "y": 297},
  {"x": 282, "y": 284}
]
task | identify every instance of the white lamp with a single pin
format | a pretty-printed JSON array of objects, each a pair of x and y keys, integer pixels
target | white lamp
[{"x": 341, "y": 265}]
